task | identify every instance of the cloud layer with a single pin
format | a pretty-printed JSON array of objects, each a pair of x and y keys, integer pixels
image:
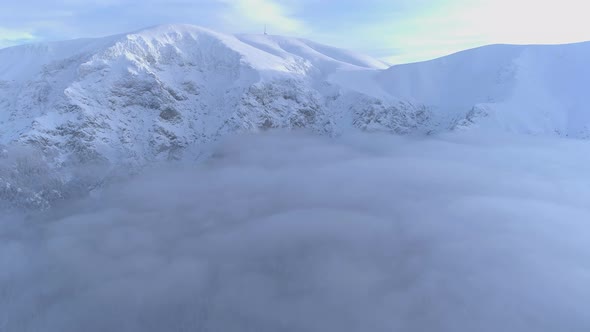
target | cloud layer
[{"x": 297, "y": 233}]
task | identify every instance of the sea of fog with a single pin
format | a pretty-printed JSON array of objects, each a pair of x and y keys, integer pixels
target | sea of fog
[{"x": 291, "y": 232}]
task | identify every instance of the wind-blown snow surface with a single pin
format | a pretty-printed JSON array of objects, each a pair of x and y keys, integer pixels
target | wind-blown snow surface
[
  {"x": 287, "y": 232},
  {"x": 540, "y": 90}
]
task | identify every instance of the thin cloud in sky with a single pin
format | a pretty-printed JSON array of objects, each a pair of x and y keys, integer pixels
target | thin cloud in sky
[
  {"x": 528, "y": 21},
  {"x": 455, "y": 25},
  {"x": 394, "y": 30},
  {"x": 12, "y": 36},
  {"x": 260, "y": 12}
]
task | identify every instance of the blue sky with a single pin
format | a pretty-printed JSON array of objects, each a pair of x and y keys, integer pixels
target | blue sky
[{"x": 394, "y": 30}]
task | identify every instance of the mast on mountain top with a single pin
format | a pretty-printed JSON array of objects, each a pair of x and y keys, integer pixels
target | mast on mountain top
[{"x": 265, "y": 30}]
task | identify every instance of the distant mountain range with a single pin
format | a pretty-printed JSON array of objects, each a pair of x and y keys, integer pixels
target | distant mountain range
[{"x": 157, "y": 93}]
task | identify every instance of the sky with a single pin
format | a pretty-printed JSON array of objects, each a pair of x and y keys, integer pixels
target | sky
[{"x": 397, "y": 31}]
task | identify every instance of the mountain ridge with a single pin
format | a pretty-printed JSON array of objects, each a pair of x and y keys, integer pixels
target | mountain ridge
[
  {"x": 137, "y": 95},
  {"x": 530, "y": 89},
  {"x": 116, "y": 104},
  {"x": 153, "y": 92}
]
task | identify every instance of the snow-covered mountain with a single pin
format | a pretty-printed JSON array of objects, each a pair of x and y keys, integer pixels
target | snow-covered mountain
[
  {"x": 537, "y": 89},
  {"x": 148, "y": 95}
]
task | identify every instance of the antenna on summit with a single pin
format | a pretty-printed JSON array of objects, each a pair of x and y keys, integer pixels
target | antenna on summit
[{"x": 265, "y": 30}]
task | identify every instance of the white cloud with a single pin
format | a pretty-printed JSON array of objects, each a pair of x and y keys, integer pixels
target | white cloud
[
  {"x": 454, "y": 25},
  {"x": 9, "y": 37},
  {"x": 278, "y": 16},
  {"x": 518, "y": 21}
]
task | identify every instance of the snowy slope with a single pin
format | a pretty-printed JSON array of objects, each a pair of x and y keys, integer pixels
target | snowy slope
[
  {"x": 150, "y": 94},
  {"x": 524, "y": 89}
]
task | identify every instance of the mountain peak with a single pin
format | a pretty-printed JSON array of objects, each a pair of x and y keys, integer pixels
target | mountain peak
[
  {"x": 155, "y": 92},
  {"x": 172, "y": 29}
]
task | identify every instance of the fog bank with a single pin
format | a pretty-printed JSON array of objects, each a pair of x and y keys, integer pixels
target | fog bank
[{"x": 288, "y": 232}]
